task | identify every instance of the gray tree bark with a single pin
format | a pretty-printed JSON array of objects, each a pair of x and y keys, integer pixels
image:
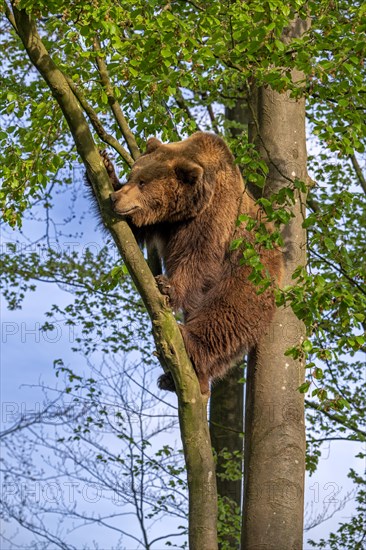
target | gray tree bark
[{"x": 274, "y": 454}]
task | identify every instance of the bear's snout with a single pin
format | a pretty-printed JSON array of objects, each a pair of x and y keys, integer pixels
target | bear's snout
[{"x": 122, "y": 204}]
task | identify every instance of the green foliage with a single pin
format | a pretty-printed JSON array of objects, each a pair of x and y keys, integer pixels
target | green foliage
[
  {"x": 229, "y": 515},
  {"x": 95, "y": 318},
  {"x": 330, "y": 297},
  {"x": 229, "y": 523}
]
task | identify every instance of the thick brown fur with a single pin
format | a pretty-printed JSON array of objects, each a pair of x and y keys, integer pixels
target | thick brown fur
[{"x": 187, "y": 196}]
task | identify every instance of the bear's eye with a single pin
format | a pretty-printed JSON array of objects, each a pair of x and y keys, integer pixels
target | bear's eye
[{"x": 141, "y": 183}]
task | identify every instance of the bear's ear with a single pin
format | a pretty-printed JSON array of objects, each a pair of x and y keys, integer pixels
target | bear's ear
[
  {"x": 152, "y": 144},
  {"x": 188, "y": 172}
]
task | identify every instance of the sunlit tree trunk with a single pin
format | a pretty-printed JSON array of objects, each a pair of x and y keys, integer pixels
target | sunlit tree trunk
[{"x": 274, "y": 454}]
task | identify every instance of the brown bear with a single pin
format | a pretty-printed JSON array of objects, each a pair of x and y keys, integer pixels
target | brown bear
[{"x": 186, "y": 197}]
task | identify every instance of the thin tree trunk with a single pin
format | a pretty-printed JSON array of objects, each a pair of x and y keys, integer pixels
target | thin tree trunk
[
  {"x": 172, "y": 354},
  {"x": 226, "y": 426},
  {"x": 226, "y": 429},
  {"x": 274, "y": 455}
]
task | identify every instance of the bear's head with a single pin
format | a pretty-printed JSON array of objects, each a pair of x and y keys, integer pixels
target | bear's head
[{"x": 168, "y": 183}]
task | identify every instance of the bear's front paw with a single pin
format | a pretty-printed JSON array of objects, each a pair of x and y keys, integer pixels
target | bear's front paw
[
  {"x": 165, "y": 287},
  {"x": 166, "y": 382},
  {"x": 110, "y": 169}
]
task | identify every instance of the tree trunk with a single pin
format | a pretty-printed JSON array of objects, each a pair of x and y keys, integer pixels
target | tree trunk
[{"x": 274, "y": 450}]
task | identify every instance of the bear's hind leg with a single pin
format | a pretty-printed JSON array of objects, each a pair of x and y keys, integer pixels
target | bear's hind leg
[{"x": 230, "y": 322}]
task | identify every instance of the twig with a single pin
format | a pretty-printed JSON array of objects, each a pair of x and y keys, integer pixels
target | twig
[
  {"x": 358, "y": 170},
  {"x": 211, "y": 114},
  {"x": 340, "y": 269},
  {"x": 180, "y": 101},
  {"x": 335, "y": 417}
]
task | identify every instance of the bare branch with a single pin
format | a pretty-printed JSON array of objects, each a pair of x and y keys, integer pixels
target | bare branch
[
  {"x": 327, "y": 512},
  {"x": 10, "y": 16},
  {"x": 211, "y": 114},
  {"x": 115, "y": 106},
  {"x": 97, "y": 125}
]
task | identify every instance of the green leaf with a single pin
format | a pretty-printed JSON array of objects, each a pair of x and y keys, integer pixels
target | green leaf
[
  {"x": 304, "y": 387},
  {"x": 318, "y": 373},
  {"x": 329, "y": 243},
  {"x": 307, "y": 346},
  {"x": 309, "y": 221}
]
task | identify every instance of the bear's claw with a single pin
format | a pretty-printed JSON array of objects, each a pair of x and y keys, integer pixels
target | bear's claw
[
  {"x": 110, "y": 169},
  {"x": 165, "y": 287}
]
